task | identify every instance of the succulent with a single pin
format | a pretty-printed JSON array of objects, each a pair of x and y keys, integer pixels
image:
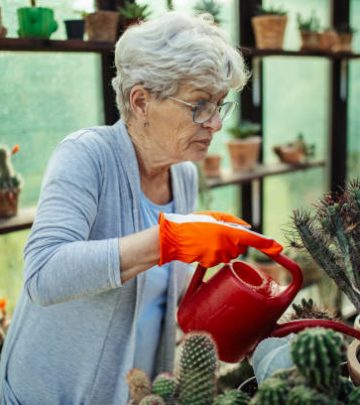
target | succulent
[
  {"x": 139, "y": 384},
  {"x": 209, "y": 6},
  {"x": 232, "y": 397},
  {"x": 245, "y": 130},
  {"x": 271, "y": 11},
  {"x": 273, "y": 391},
  {"x": 311, "y": 24},
  {"x": 332, "y": 237},
  {"x": 8, "y": 179},
  {"x": 198, "y": 361},
  {"x": 152, "y": 400},
  {"x": 164, "y": 385},
  {"x": 317, "y": 353},
  {"x": 308, "y": 310},
  {"x": 134, "y": 11},
  {"x": 302, "y": 395}
]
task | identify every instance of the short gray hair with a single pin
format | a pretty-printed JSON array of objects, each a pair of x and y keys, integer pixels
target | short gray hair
[{"x": 174, "y": 49}]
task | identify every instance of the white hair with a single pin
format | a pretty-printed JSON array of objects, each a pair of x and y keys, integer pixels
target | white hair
[{"x": 174, "y": 49}]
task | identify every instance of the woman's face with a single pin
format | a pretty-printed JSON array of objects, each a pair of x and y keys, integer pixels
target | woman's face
[{"x": 172, "y": 128}]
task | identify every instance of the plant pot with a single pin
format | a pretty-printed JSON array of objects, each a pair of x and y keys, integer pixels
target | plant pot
[
  {"x": 269, "y": 31},
  {"x": 244, "y": 153},
  {"x": 9, "y": 202},
  {"x": 327, "y": 40},
  {"x": 102, "y": 26},
  {"x": 75, "y": 29},
  {"x": 289, "y": 154},
  {"x": 344, "y": 43},
  {"x": 36, "y": 22},
  {"x": 310, "y": 40},
  {"x": 211, "y": 165},
  {"x": 3, "y": 30}
]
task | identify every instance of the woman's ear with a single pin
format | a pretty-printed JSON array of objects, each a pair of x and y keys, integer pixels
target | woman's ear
[{"x": 139, "y": 100}]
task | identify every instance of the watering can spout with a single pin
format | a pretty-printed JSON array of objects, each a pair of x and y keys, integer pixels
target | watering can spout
[{"x": 195, "y": 283}]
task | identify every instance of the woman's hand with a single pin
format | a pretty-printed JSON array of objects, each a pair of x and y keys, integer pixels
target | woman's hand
[{"x": 209, "y": 238}]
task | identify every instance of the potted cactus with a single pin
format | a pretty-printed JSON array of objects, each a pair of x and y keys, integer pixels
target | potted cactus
[
  {"x": 295, "y": 152},
  {"x": 269, "y": 27},
  {"x": 244, "y": 148},
  {"x": 10, "y": 183},
  {"x": 133, "y": 13},
  {"x": 36, "y": 22},
  {"x": 345, "y": 33},
  {"x": 309, "y": 30}
]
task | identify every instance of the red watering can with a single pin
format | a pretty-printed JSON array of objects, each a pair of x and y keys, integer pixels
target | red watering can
[{"x": 240, "y": 305}]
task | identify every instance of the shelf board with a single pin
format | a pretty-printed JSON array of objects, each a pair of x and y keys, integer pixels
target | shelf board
[
  {"x": 49, "y": 45},
  {"x": 284, "y": 52},
  {"x": 23, "y": 220},
  {"x": 232, "y": 178}
]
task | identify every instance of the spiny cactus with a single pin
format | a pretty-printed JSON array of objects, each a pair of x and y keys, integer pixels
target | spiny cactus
[
  {"x": 198, "y": 361},
  {"x": 301, "y": 395},
  {"x": 139, "y": 384},
  {"x": 152, "y": 400},
  {"x": 273, "y": 391},
  {"x": 317, "y": 353},
  {"x": 354, "y": 397},
  {"x": 345, "y": 389},
  {"x": 332, "y": 237},
  {"x": 233, "y": 397},
  {"x": 308, "y": 310},
  {"x": 164, "y": 385},
  {"x": 8, "y": 179}
]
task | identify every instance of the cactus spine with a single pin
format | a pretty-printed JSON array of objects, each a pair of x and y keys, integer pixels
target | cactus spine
[
  {"x": 165, "y": 386},
  {"x": 317, "y": 353},
  {"x": 273, "y": 391},
  {"x": 232, "y": 397},
  {"x": 139, "y": 385},
  {"x": 198, "y": 361},
  {"x": 152, "y": 400}
]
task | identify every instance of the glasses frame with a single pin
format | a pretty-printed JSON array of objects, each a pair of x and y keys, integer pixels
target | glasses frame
[{"x": 194, "y": 108}]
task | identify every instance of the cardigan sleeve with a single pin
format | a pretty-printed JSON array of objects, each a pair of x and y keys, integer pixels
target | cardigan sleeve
[{"x": 61, "y": 263}]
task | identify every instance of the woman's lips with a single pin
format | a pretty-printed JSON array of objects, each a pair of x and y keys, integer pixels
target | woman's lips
[{"x": 205, "y": 142}]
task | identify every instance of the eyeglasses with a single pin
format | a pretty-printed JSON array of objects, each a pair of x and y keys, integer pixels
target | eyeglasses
[{"x": 204, "y": 110}]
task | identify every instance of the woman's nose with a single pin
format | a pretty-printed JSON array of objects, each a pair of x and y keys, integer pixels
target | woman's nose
[{"x": 214, "y": 123}]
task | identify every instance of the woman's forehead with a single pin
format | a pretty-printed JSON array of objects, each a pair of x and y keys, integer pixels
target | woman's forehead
[{"x": 193, "y": 90}]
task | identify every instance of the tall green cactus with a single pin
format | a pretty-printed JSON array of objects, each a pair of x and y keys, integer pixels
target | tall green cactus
[
  {"x": 232, "y": 397},
  {"x": 165, "y": 385},
  {"x": 198, "y": 361},
  {"x": 8, "y": 178},
  {"x": 273, "y": 391},
  {"x": 317, "y": 353}
]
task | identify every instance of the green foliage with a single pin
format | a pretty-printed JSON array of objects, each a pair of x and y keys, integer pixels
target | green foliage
[
  {"x": 302, "y": 395},
  {"x": 134, "y": 11},
  {"x": 245, "y": 130},
  {"x": 311, "y": 24},
  {"x": 164, "y": 385},
  {"x": 152, "y": 400},
  {"x": 233, "y": 397},
  {"x": 317, "y": 353},
  {"x": 8, "y": 179},
  {"x": 354, "y": 397},
  {"x": 308, "y": 310},
  {"x": 198, "y": 361},
  {"x": 273, "y": 391},
  {"x": 271, "y": 10},
  {"x": 209, "y": 6}
]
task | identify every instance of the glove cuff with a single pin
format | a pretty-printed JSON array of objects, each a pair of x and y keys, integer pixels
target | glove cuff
[{"x": 168, "y": 241}]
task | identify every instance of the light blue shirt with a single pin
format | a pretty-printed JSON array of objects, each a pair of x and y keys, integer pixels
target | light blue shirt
[{"x": 153, "y": 300}]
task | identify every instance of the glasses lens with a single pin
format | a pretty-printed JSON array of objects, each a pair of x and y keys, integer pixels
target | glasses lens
[
  {"x": 226, "y": 110},
  {"x": 204, "y": 111}
]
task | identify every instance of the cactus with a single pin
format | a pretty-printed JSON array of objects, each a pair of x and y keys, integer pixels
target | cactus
[
  {"x": 164, "y": 385},
  {"x": 332, "y": 236},
  {"x": 301, "y": 395},
  {"x": 273, "y": 391},
  {"x": 232, "y": 397},
  {"x": 317, "y": 353},
  {"x": 345, "y": 389},
  {"x": 354, "y": 397},
  {"x": 139, "y": 384},
  {"x": 308, "y": 310},
  {"x": 152, "y": 400},
  {"x": 8, "y": 179},
  {"x": 198, "y": 361}
]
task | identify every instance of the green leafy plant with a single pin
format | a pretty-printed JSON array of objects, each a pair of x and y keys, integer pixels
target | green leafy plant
[
  {"x": 209, "y": 6},
  {"x": 134, "y": 11},
  {"x": 310, "y": 24},
  {"x": 244, "y": 130},
  {"x": 271, "y": 10},
  {"x": 9, "y": 180}
]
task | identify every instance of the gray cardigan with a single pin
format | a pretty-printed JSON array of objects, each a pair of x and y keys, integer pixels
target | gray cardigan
[{"x": 72, "y": 337}]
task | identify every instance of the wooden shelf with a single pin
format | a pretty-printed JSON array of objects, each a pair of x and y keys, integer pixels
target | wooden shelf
[
  {"x": 49, "y": 45},
  {"x": 230, "y": 178},
  {"x": 23, "y": 220},
  {"x": 302, "y": 53}
]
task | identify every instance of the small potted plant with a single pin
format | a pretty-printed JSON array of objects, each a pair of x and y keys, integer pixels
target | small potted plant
[
  {"x": 75, "y": 28},
  {"x": 345, "y": 33},
  {"x": 295, "y": 152},
  {"x": 309, "y": 30},
  {"x": 328, "y": 39},
  {"x": 211, "y": 165},
  {"x": 269, "y": 27},
  {"x": 10, "y": 183},
  {"x": 244, "y": 148},
  {"x": 133, "y": 13},
  {"x": 210, "y": 7},
  {"x": 102, "y": 25},
  {"x": 36, "y": 22},
  {"x": 3, "y": 30}
]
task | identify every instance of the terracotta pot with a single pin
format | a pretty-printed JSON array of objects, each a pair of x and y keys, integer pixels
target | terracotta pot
[
  {"x": 9, "y": 202},
  {"x": 244, "y": 153},
  {"x": 327, "y": 40},
  {"x": 211, "y": 165},
  {"x": 102, "y": 26},
  {"x": 289, "y": 154},
  {"x": 3, "y": 30},
  {"x": 344, "y": 44},
  {"x": 310, "y": 40},
  {"x": 269, "y": 31},
  {"x": 352, "y": 355}
]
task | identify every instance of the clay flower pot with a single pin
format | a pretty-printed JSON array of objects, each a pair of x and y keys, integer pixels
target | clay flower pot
[
  {"x": 211, "y": 165},
  {"x": 244, "y": 153},
  {"x": 9, "y": 202},
  {"x": 327, "y": 40},
  {"x": 102, "y": 26},
  {"x": 289, "y": 154},
  {"x": 269, "y": 31},
  {"x": 310, "y": 40},
  {"x": 344, "y": 43}
]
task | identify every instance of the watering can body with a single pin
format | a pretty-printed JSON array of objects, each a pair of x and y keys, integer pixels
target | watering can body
[{"x": 240, "y": 305}]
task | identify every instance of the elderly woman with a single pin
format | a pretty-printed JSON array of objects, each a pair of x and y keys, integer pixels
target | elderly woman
[{"x": 102, "y": 276}]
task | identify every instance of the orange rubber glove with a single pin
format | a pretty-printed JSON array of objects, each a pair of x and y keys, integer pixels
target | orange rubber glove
[{"x": 209, "y": 238}]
